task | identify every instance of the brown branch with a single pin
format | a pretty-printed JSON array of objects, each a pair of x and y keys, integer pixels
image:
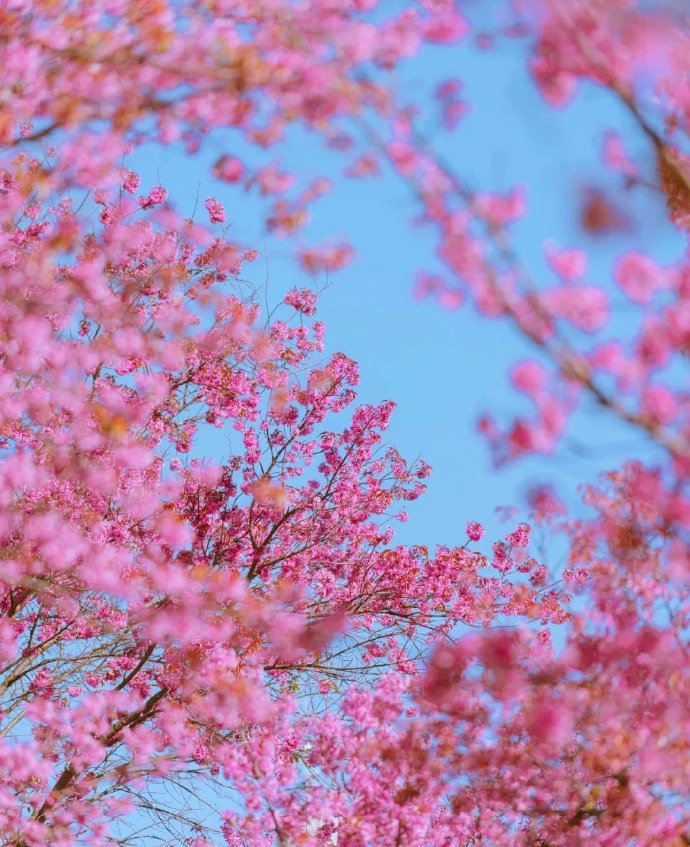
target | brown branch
[
  {"x": 68, "y": 775},
  {"x": 130, "y": 676}
]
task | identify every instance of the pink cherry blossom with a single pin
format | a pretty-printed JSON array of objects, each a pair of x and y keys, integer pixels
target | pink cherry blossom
[
  {"x": 475, "y": 531},
  {"x": 639, "y": 277},
  {"x": 216, "y": 211}
]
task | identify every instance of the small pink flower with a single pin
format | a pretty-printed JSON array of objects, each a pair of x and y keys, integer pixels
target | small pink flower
[
  {"x": 639, "y": 277},
  {"x": 528, "y": 376},
  {"x": 659, "y": 403},
  {"x": 501, "y": 560},
  {"x": 568, "y": 264},
  {"x": 445, "y": 29},
  {"x": 229, "y": 169},
  {"x": 272, "y": 181},
  {"x": 450, "y": 298},
  {"x": 302, "y": 300},
  {"x": 520, "y": 537},
  {"x": 215, "y": 210},
  {"x": 131, "y": 182},
  {"x": 475, "y": 531},
  {"x": 585, "y": 307},
  {"x": 403, "y": 157},
  {"x": 157, "y": 195}
]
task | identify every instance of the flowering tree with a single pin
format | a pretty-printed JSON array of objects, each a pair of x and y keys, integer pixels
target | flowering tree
[{"x": 233, "y": 650}]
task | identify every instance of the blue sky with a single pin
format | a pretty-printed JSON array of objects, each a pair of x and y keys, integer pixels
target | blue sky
[{"x": 443, "y": 368}]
